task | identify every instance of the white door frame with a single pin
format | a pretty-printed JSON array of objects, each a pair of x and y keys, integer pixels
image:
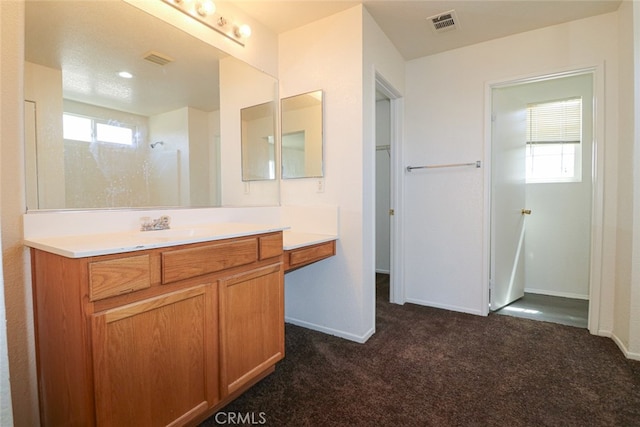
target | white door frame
[
  {"x": 396, "y": 103},
  {"x": 597, "y": 175}
]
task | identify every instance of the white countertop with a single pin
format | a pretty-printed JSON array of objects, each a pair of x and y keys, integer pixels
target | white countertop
[
  {"x": 295, "y": 240},
  {"x": 86, "y": 245},
  {"x": 80, "y": 246}
]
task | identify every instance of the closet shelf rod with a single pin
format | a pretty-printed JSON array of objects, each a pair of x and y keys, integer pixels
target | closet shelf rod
[{"x": 450, "y": 165}]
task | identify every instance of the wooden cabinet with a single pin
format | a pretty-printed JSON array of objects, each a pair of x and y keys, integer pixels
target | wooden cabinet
[
  {"x": 154, "y": 360},
  {"x": 197, "y": 260},
  {"x": 118, "y": 276},
  {"x": 156, "y": 337},
  {"x": 251, "y": 325},
  {"x": 299, "y": 257}
]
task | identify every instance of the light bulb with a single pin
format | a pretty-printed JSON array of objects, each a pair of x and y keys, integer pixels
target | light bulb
[
  {"x": 243, "y": 31},
  {"x": 205, "y": 8}
]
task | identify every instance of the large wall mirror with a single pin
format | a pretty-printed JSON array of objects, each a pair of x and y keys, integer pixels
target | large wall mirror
[
  {"x": 302, "y": 136},
  {"x": 124, "y": 110}
]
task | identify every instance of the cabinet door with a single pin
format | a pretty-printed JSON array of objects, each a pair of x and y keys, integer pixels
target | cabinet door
[
  {"x": 251, "y": 325},
  {"x": 155, "y": 361}
]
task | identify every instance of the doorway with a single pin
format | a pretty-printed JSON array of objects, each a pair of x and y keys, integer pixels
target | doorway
[
  {"x": 383, "y": 196},
  {"x": 542, "y": 198},
  {"x": 388, "y": 190}
]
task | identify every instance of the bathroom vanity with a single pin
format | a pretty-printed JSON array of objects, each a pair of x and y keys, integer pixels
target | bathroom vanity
[
  {"x": 306, "y": 248},
  {"x": 159, "y": 328}
]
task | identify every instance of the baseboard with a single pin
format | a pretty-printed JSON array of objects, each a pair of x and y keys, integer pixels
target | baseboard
[
  {"x": 445, "y": 306},
  {"x": 341, "y": 334},
  {"x": 628, "y": 354},
  {"x": 556, "y": 294}
]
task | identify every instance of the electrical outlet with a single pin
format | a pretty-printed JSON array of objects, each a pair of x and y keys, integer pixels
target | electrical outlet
[{"x": 320, "y": 186}]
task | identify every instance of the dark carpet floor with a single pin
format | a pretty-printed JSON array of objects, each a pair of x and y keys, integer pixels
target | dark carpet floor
[{"x": 432, "y": 367}]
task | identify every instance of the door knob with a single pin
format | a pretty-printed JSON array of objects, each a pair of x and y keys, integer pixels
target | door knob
[{"x": 526, "y": 211}]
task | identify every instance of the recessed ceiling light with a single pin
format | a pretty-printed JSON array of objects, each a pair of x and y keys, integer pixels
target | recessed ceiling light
[{"x": 125, "y": 74}]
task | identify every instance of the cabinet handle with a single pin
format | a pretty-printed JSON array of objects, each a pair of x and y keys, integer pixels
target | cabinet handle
[{"x": 126, "y": 291}]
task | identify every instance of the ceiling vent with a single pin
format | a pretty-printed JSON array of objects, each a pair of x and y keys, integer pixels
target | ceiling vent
[
  {"x": 157, "y": 58},
  {"x": 443, "y": 22}
]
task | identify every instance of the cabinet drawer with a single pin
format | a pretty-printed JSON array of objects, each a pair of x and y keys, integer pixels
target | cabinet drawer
[
  {"x": 270, "y": 246},
  {"x": 118, "y": 276},
  {"x": 299, "y": 257},
  {"x": 191, "y": 262}
]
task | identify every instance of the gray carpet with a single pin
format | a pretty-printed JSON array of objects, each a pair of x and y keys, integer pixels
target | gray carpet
[{"x": 432, "y": 367}]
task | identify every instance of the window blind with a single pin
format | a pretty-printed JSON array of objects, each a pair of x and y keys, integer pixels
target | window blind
[{"x": 555, "y": 122}]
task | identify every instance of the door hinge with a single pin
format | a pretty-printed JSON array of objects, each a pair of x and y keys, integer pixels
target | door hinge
[{"x": 392, "y": 212}]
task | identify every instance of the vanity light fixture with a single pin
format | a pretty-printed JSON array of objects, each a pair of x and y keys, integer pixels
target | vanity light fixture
[
  {"x": 205, "y": 8},
  {"x": 204, "y": 11},
  {"x": 243, "y": 31}
]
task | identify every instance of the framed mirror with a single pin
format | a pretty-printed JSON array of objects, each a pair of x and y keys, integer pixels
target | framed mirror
[
  {"x": 302, "y": 135},
  {"x": 258, "y": 142},
  {"x": 124, "y": 110}
]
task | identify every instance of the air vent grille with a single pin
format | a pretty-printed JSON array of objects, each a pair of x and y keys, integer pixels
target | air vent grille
[
  {"x": 157, "y": 58},
  {"x": 442, "y": 22}
]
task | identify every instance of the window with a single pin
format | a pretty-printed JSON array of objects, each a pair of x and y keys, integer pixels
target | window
[
  {"x": 554, "y": 137},
  {"x": 88, "y": 129}
]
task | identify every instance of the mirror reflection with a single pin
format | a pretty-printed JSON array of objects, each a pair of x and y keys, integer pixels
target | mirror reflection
[
  {"x": 302, "y": 136},
  {"x": 118, "y": 116},
  {"x": 258, "y": 142}
]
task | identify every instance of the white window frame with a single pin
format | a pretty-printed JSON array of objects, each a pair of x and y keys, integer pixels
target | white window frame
[
  {"x": 95, "y": 121},
  {"x": 559, "y": 141}
]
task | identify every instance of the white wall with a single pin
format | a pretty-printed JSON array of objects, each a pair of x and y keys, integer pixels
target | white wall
[
  {"x": 625, "y": 221},
  {"x": 9, "y": 45},
  {"x": 329, "y": 295},
  {"x": 16, "y": 283},
  {"x": 634, "y": 318},
  {"x": 444, "y": 238},
  {"x": 626, "y": 330},
  {"x": 337, "y": 296}
]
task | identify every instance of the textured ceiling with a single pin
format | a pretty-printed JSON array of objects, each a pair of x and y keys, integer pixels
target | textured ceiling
[{"x": 406, "y": 25}]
